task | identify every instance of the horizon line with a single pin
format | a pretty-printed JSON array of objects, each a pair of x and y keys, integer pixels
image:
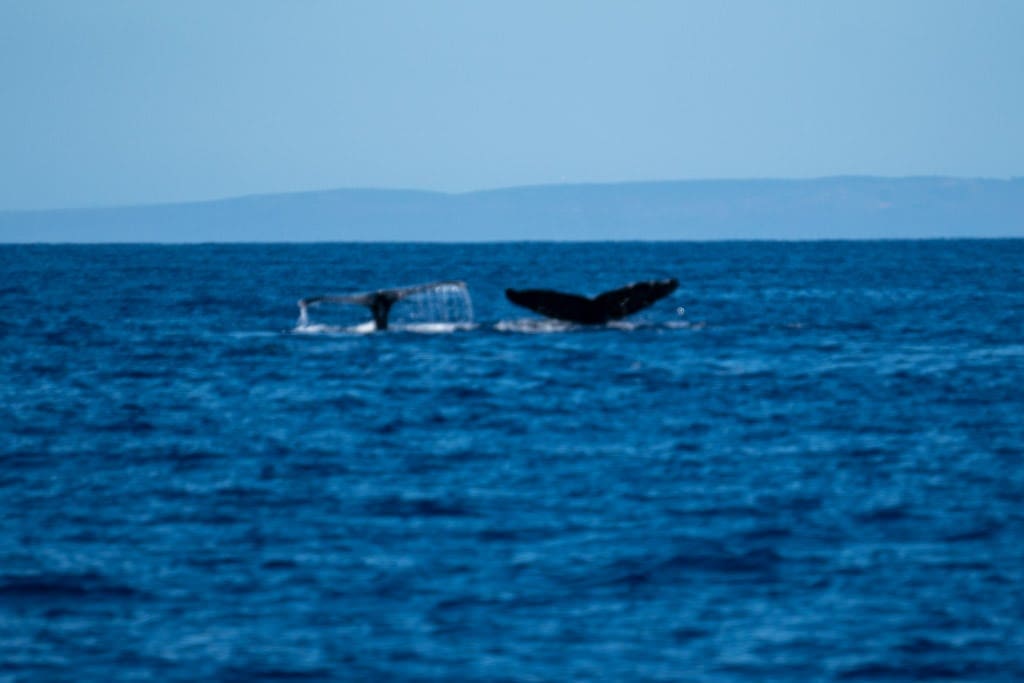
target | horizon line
[{"x": 735, "y": 240}]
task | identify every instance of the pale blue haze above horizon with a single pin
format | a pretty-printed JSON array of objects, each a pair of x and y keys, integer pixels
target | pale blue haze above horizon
[{"x": 112, "y": 103}]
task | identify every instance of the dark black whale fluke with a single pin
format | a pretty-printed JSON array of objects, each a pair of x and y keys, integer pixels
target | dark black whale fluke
[
  {"x": 379, "y": 302},
  {"x": 612, "y": 305}
]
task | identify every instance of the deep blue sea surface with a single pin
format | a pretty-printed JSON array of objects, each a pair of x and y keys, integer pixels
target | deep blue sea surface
[{"x": 814, "y": 472}]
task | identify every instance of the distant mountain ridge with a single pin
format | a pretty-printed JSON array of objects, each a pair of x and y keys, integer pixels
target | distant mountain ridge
[{"x": 844, "y": 207}]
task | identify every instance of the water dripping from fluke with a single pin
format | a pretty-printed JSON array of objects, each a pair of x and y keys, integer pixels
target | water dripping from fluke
[{"x": 442, "y": 306}]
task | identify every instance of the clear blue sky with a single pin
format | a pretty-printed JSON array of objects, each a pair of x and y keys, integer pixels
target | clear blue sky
[{"x": 111, "y": 102}]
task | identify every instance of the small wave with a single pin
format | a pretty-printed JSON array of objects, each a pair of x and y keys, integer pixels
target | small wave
[
  {"x": 885, "y": 513},
  {"x": 401, "y": 506},
  {"x": 249, "y": 674},
  {"x": 46, "y": 586},
  {"x": 695, "y": 558},
  {"x": 252, "y": 334},
  {"x": 878, "y": 670}
]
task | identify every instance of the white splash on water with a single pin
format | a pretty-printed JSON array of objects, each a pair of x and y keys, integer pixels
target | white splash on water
[
  {"x": 324, "y": 329},
  {"x": 534, "y": 325},
  {"x": 370, "y": 328},
  {"x": 434, "y": 328}
]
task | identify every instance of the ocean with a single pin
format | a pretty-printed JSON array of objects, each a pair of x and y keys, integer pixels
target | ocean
[{"x": 803, "y": 465}]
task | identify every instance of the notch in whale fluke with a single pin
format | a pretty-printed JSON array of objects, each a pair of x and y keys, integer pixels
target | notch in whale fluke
[
  {"x": 598, "y": 310},
  {"x": 379, "y": 302}
]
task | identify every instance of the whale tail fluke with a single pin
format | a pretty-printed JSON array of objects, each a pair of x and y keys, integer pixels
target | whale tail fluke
[
  {"x": 556, "y": 305},
  {"x": 612, "y": 305},
  {"x": 379, "y": 302},
  {"x": 635, "y": 297}
]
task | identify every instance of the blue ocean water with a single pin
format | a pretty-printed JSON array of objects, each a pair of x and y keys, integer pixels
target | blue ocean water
[{"x": 813, "y": 472}]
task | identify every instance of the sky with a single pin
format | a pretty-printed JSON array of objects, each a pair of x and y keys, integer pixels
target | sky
[{"x": 124, "y": 102}]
